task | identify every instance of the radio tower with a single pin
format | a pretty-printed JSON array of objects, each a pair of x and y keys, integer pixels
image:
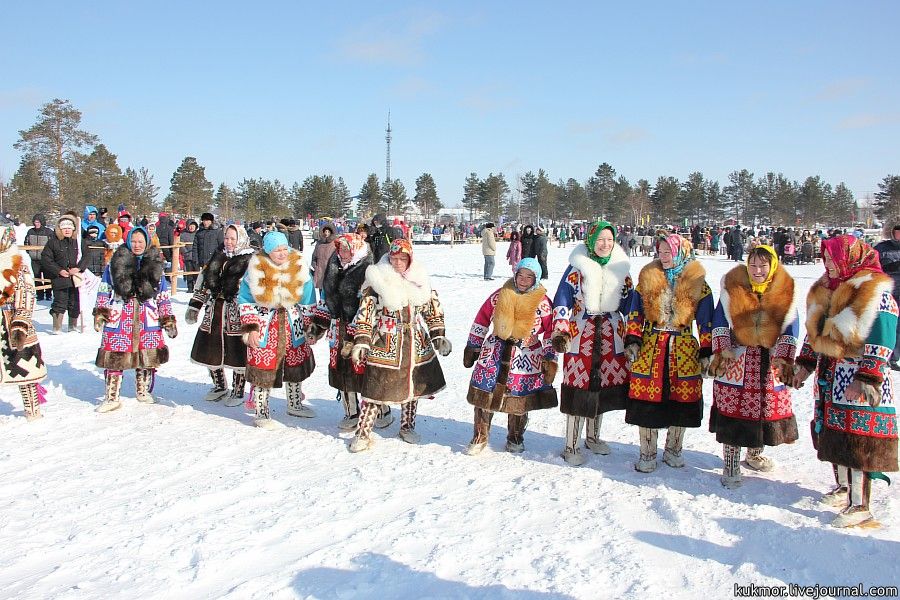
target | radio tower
[{"x": 387, "y": 138}]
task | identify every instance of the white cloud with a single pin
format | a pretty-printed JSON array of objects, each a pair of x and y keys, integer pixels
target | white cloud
[
  {"x": 842, "y": 88},
  {"x": 391, "y": 40}
]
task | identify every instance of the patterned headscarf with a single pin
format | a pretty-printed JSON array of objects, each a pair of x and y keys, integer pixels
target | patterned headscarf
[
  {"x": 352, "y": 242},
  {"x": 850, "y": 255},
  {"x": 242, "y": 245},
  {"x": 402, "y": 246},
  {"x": 7, "y": 237},
  {"x": 759, "y": 288},
  {"x": 682, "y": 254},
  {"x": 591, "y": 239}
]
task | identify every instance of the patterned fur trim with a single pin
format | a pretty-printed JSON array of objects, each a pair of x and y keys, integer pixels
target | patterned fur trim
[
  {"x": 277, "y": 286},
  {"x": 396, "y": 291},
  {"x": 839, "y": 321},
  {"x": 758, "y": 320},
  {"x": 514, "y": 313},
  {"x": 663, "y": 307},
  {"x": 601, "y": 285}
]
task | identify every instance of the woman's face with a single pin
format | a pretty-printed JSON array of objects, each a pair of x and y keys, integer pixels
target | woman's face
[
  {"x": 524, "y": 280},
  {"x": 345, "y": 254},
  {"x": 138, "y": 244},
  {"x": 830, "y": 267},
  {"x": 363, "y": 234},
  {"x": 665, "y": 256},
  {"x": 759, "y": 269},
  {"x": 279, "y": 255},
  {"x": 400, "y": 262},
  {"x": 603, "y": 247},
  {"x": 230, "y": 239}
]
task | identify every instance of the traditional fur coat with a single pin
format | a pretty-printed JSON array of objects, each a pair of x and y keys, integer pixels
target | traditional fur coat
[
  {"x": 666, "y": 387},
  {"x": 17, "y": 303},
  {"x": 588, "y": 307},
  {"x": 275, "y": 300},
  {"x": 851, "y": 333},
  {"x": 218, "y": 341},
  {"x": 398, "y": 317},
  {"x": 134, "y": 301},
  {"x": 507, "y": 376},
  {"x": 343, "y": 287},
  {"x": 754, "y": 341}
]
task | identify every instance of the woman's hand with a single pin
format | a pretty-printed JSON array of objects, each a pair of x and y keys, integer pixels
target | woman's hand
[
  {"x": 800, "y": 376},
  {"x": 253, "y": 339}
]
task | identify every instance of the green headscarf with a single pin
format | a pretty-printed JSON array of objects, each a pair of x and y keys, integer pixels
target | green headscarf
[{"x": 591, "y": 239}]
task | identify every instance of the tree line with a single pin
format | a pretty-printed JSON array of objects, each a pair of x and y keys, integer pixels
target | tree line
[{"x": 64, "y": 166}]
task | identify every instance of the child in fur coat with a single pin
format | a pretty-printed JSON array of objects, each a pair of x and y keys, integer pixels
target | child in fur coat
[
  {"x": 20, "y": 362},
  {"x": 515, "y": 363},
  {"x": 133, "y": 309},
  {"x": 274, "y": 299}
]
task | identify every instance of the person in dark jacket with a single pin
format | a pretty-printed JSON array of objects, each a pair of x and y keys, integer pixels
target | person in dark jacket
[
  {"x": 527, "y": 241},
  {"x": 293, "y": 233},
  {"x": 207, "y": 240},
  {"x": 187, "y": 253},
  {"x": 321, "y": 254},
  {"x": 93, "y": 252},
  {"x": 256, "y": 234},
  {"x": 60, "y": 262},
  {"x": 737, "y": 244},
  {"x": 889, "y": 252},
  {"x": 380, "y": 236},
  {"x": 165, "y": 231},
  {"x": 38, "y": 235},
  {"x": 540, "y": 250}
]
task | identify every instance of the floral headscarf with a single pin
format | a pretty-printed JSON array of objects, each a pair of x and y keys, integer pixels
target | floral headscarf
[
  {"x": 591, "y": 239},
  {"x": 242, "y": 245},
  {"x": 354, "y": 243},
  {"x": 850, "y": 256},
  {"x": 682, "y": 254},
  {"x": 402, "y": 246},
  {"x": 760, "y": 288}
]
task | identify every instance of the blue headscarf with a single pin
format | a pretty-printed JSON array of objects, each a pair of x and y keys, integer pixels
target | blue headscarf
[
  {"x": 532, "y": 265},
  {"x": 273, "y": 240},
  {"x": 131, "y": 234}
]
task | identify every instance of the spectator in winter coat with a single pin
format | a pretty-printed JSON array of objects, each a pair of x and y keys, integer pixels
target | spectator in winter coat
[
  {"x": 489, "y": 250},
  {"x": 38, "y": 235},
  {"x": 322, "y": 252},
  {"x": 540, "y": 250},
  {"x": 165, "y": 231},
  {"x": 207, "y": 240},
  {"x": 380, "y": 237},
  {"x": 93, "y": 252},
  {"x": 889, "y": 252},
  {"x": 256, "y": 234},
  {"x": 60, "y": 262},
  {"x": 91, "y": 217},
  {"x": 124, "y": 222},
  {"x": 514, "y": 253},
  {"x": 293, "y": 233},
  {"x": 528, "y": 242},
  {"x": 187, "y": 253},
  {"x": 737, "y": 244}
]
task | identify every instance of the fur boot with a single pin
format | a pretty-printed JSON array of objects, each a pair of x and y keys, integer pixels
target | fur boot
[
  {"x": 238, "y": 381},
  {"x": 839, "y": 496},
  {"x": 350, "y": 402},
  {"x": 220, "y": 388},
  {"x": 572, "y": 454},
  {"x": 363, "y": 440},
  {"x": 648, "y": 438},
  {"x": 515, "y": 437},
  {"x": 857, "y": 513},
  {"x": 482, "y": 431},
  {"x": 263, "y": 419},
  {"x": 143, "y": 379},
  {"x": 57, "y": 323},
  {"x": 295, "y": 397},
  {"x": 408, "y": 422},
  {"x": 731, "y": 471},
  {"x": 30, "y": 400},
  {"x": 674, "y": 442},
  {"x": 73, "y": 324},
  {"x": 385, "y": 418},
  {"x": 111, "y": 399},
  {"x": 592, "y": 436},
  {"x": 758, "y": 462}
]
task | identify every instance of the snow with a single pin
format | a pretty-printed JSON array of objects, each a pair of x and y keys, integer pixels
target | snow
[{"x": 185, "y": 499}]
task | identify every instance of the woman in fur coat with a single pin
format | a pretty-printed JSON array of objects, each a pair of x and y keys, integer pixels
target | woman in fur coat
[
  {"x": 667, "y": 361},
  {"x": 399, "y": 326},
  {"x": 755, "y": 329},
  {"x": 514, "y": 366},
  {"x": 514, "y": 252},
  {"x": 592, "y": 295},
  {"x": 342, "y": 283},
  {"x": 133, "y": 309},
  {"x": 20, "y": 362},
  {"x": 851, "y": 324},
  {"x": 274, "y": 299},
  {"x": 218, "y": 344}
]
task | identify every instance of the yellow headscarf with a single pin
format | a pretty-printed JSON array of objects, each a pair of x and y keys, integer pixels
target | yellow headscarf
[{"x": 759, "y": 288}]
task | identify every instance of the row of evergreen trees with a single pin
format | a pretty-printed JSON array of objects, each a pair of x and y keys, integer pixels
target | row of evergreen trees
[{"x": 64, "y": 166}]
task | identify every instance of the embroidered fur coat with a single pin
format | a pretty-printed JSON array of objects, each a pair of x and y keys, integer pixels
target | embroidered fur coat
[
  {"x": 666, "y": 387},
  {"x": 588, "y": 307},
  {"x": 509, "y": 341},
  {"x": 134, "y": 301},
  {"x": 754, "y": 342},
  {"x": 275, "y": 300},
  {"x": 218, "y": 341},
  {"x": 23, "y": 365},
  {"x": 850, "y": 334},
  {"x": 342, "y": 287},
  {"x": 397, "y": 319}
]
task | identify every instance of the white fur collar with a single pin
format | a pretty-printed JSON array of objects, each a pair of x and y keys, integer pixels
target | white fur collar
[
  {"x": 601, "y": 286},
  {"x": 287, "y": 288},
  {"x": 396, "y": 291}
]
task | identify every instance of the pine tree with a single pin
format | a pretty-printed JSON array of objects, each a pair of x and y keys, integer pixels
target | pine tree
[
  {"x": 340, "y": 200},
  {"x": 812, "y": 200},
  {"x": 740, "y": 194},
  {"x": 395, "y": 199},
  {"x": 887, "y": 199},
  {"x": 639, "y": 202},
  {"x": 225, "y": 200},
  {"x": 664, "y": 200},
  {"x": 547, "y": 196},
  {"x": 140, "y": 191},
  {"x": 842, "y": 205},
  {"x": 29, "y": 191},
  {"x": 528, "y": 190},
  {"x": 190, "y": 189},
  {"x": 494, "y": 196},
  {"x": 692, "y": 197},
  {"x": 472, "y": 195},
  {"x": 52, "y": 140},
  {"x": 600, "y": 188},
  {"x": 370, "y": 200},
  {"x": 621, "y": 193},
  {"x": 97, "y": 179},
  {"x": 426, "y": 198}
]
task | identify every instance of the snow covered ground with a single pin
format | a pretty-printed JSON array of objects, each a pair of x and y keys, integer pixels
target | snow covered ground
[{"x": 184, "y": 499}]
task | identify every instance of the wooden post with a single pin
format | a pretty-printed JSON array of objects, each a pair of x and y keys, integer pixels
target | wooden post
[{"x": 174, "y": 279}]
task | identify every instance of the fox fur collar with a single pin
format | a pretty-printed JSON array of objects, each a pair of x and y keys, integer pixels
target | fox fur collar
[
  {"x": 396, "y": 291},
  {"x": 514, "y": 313},
  {"x": 665, "y": 307},
  {"x": 758, "y": 320},
  {"x": 10, "y": 265},
  {"x": 277, "y": 286},
  {"x": 130, "y": 280},
  {"x": 601, "y": 286},
  {"x": 222, "y": 274},
  {"x": 838, "y": 322}
]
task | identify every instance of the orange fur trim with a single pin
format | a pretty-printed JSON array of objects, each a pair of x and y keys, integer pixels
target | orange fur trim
[
  {"x": 10, "y": 277},
  {"x": 514, "y": 313},
  {"x": 757, "y": 320},
  {"x": 663, "y": 307}
]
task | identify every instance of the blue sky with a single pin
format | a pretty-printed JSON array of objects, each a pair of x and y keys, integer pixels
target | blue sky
[{"x": 288, "y": 89}]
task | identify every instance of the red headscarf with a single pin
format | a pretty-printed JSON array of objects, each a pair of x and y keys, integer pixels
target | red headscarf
[{"x": 850, "y": 256}]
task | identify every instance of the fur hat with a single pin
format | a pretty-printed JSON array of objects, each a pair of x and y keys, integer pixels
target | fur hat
[
  {"x": 207, "y": 216},
  {"x": 66, "y": 221}
]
